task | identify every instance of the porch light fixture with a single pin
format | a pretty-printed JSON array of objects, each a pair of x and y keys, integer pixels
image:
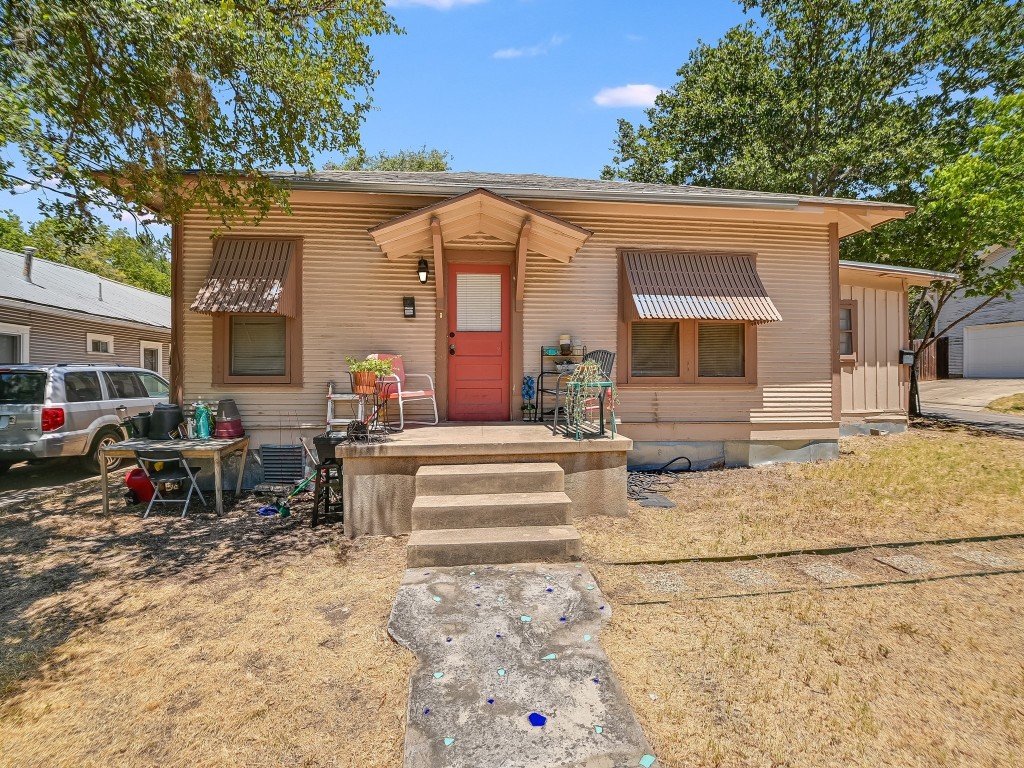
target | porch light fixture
[{"x": 423, "y": 270}]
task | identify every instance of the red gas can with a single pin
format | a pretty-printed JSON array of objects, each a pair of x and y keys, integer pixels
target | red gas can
[{"x": 139, "y": 484}]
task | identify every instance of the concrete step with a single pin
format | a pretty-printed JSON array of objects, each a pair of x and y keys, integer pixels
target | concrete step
[
  {"x": 491, "y": 510},
  {"x": 454, "y": 479},
  {"x": 478, "y": 546}
]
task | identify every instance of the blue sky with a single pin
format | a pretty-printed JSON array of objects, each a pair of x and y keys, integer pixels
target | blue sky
[{"x": 521, "y": 86}]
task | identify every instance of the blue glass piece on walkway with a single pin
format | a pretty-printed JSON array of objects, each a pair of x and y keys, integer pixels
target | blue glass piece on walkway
[
  {"x": 537, "y": 720},
  {"x": 647, "y": 761},
  {"x": 526, "y": 619},
  {"x": 449, "y": 741},
  {"x": 438, "y": 675}
]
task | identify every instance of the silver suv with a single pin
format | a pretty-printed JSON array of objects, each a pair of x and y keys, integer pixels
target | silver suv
[{"x": 55, "y": 411}]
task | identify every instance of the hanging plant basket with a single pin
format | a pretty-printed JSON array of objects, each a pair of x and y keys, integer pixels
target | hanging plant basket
[{"x": 364, "y": 382}]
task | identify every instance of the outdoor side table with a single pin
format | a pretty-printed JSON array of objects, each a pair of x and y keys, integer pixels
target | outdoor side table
[
  {"x": 214, "y": 448},
  {"x": 605, "y": 387}
]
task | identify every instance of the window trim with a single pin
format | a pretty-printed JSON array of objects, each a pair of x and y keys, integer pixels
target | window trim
[
  {"x": 850, "y": 304},
  {"x": 24, "y": 331},
  {"x": 159, "y": 347},
  {"x": 221, "y": 374},
  {"x": 90, "y": 337},
  {"x": 688, "y": 360}
]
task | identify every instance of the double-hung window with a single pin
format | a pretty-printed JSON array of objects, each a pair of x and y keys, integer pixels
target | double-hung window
[
  {"x": 253, "y": 292},
  {"x": 690, "y": 318}
]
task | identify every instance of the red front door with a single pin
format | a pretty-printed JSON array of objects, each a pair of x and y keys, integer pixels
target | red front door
[{"x": 479, "y": 357}]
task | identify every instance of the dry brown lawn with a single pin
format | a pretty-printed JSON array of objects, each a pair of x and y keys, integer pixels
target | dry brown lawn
[
  {"x": 921, "y": 676},
  {"x": 242, "y": 641},
  {"x": 925, "y": 483}
]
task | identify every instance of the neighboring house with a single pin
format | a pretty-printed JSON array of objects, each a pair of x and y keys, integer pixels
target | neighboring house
[
  {"x": 52, "y": 313},
  {"x": 990, "y": 343},
  {"x": 723, "y": 306}
]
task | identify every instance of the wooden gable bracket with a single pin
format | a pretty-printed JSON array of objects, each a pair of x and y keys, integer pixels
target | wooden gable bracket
[
  {"x": 859, "y": 221},
  {"x": 438, "y": 243},
  {"x": 522, "y": 246}
]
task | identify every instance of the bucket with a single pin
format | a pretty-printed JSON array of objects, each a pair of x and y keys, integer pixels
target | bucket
[
  {"x": 166, "y": 416},
  {"x": 141, "y": 424}
]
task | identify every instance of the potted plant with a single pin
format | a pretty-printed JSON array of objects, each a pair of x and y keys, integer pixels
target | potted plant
[
  {"x": 580, "y": 397},
  {"x": 365, "y": 373}
]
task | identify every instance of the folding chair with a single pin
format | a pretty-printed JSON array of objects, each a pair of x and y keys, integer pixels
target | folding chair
[{"x": 174, "y": 470}]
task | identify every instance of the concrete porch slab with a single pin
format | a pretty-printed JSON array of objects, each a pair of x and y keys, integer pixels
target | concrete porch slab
[{"x": 511, "y": 671}]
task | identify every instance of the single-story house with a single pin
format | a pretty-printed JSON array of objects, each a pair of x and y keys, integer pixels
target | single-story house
[
  {"x": 53, "y": 313},
  {"x": 739, "y": 336},
  {"x": 989, "y": 344}
]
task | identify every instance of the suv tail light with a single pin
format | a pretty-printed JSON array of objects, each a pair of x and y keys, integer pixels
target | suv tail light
[{"x": 53, "y": 418}]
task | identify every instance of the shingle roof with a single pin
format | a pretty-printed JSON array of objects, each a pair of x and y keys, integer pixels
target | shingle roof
[
  {"x": 64, "y": 287},
  {"x": 522, "y": 185}
]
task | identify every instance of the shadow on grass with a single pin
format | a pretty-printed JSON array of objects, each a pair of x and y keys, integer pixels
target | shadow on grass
[{"x": 64, "y": 567}]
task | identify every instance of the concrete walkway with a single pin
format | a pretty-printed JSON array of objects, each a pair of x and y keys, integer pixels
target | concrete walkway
[{"x": 511, "y": 673}]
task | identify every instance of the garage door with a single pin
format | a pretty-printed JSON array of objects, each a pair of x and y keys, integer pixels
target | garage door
[{"x": 994, "y": 351}]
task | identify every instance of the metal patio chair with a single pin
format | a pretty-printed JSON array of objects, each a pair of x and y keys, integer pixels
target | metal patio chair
[
  {"x": 605, "y": 360},
  {"x": 401, "y": 394},
  {"x": 174, "y": 469}
]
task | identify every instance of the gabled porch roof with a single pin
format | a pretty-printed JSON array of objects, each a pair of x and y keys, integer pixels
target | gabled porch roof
[{"x": 480, "y": 210}]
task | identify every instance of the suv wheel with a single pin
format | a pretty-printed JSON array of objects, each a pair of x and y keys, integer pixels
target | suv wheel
[{"x": 105, "y": 437}]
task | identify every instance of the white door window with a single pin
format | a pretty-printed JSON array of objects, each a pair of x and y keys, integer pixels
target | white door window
[
  {"x": 151, "y": 356},
  {"x": 13, "y": 344}
]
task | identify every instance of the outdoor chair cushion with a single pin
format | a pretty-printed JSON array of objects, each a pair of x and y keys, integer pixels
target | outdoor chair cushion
[{"x": 409, "y": 393}]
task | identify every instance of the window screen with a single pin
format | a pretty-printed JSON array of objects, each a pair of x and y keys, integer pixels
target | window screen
[
  {"x": 846, "y": 331},
  {"x": 82, "y": 387},
  {"x": 654, "y": 349},
  {"x": 124, "y": 384},
  {"x": 258, "y": 346},
  {"x": 478, "y": 300},
  {"x": 720, "y": 350},
  {"x": 100, "y": 345}
]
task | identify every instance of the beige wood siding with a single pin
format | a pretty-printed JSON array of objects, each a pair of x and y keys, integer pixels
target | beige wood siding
[
  {"x": 352, "y": 305},
  {"x": 351, "y": 302},
  {"x": 794, "y": 363},
  {"x": 61, "y": 338},
  {"x": 876, "y": 384}
]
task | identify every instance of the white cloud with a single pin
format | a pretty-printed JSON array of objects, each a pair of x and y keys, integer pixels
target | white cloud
[
  {"x": 142, "y": 217},
  {"x": 438, "y": 5},
  {"x": 641, "y": 95},
  {"x": 529, "y": 51}
]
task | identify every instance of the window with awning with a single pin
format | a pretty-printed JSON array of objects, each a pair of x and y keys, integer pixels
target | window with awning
[
  {"x": 252, "y": 290},
  {"x": 691, "y": 318},
  {"x": 249, "y": 276}
]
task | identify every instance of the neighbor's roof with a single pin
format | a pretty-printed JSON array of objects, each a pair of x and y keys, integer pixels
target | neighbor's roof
[
  {"x": 63, "y": 287},
  {"x": 913, "y": 275}
]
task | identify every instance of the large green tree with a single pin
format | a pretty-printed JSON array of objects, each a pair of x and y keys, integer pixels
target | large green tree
[
  {"x": 828, "y": 97},
  {"x": 969, "y": 209},
  {"x": 110, "y": 101},
  {"x": 422, "y": 159}
]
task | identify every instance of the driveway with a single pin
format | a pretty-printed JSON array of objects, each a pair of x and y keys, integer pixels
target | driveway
[
  {"x": 966, "y": 394},
  {"x": 963, "y": 401}
]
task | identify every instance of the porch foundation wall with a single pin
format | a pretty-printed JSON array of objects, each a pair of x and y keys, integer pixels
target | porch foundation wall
[
  {"x": 713, "y": 454},
  {"x": 379, "y": 490}
]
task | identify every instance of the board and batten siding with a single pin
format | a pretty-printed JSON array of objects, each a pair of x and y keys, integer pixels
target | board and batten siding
[
  {"x": 352, "y": 305},
  {"x": 61, "y": 338},
  {"x": 876, "y": 384}
]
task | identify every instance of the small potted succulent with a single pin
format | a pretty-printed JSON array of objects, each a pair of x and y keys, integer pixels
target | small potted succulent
[{"x": 365, "y": 373}]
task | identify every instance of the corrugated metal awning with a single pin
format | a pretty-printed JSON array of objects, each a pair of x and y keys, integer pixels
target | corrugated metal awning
[
  {"x": 697, "y": 286},
  {"x": 249, "y": 276}
]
